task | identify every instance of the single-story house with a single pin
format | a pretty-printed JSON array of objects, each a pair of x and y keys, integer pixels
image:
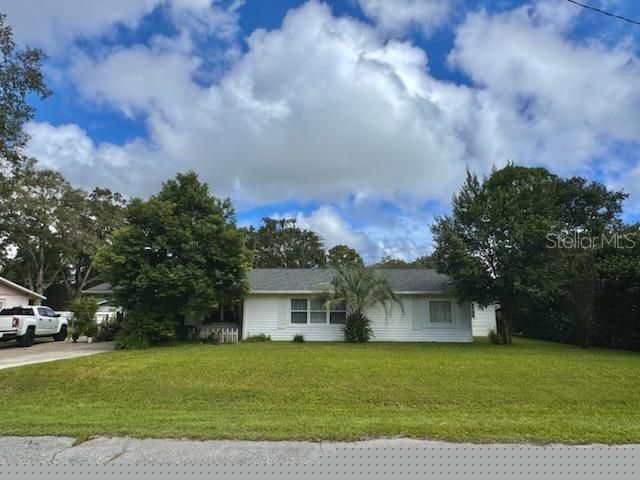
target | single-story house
[
  {"x": 14, "y": 295},
  {"x": 107, "y": 308},
  {"x": 283, "y": 303}
]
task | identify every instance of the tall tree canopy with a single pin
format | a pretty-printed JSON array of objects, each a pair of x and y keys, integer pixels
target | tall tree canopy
[
  {"x": 179, "y": 252},
  {"x": 495, "y": 244},
  {"x": 50, "y": 231},
  {"x": 20, "y": 75},
  {"x": 34, "y": 218},
  {"x": 95, "y": 217},
  {"x": 280, "y": 243},
  {"x": 342, "y": 255}
]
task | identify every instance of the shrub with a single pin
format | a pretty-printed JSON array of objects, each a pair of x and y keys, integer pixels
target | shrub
[
  {"x": 143, "y": 329},
  {"x": 298, "y": 338},
  {"x": 261, "y": 337},
  {"x": 212, "y": 339},
  {"x": 84, "y": 316},
  {"x": 356, "y": 289},
  {"x": 91, "y": 329},
  {"x": 108, "y": 329},
  {"x": 357, "y": 328},
  {"x": 495, "y": 338}
]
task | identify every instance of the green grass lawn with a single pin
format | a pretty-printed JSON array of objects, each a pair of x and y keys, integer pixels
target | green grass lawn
[{"x": 531, "y": 391}]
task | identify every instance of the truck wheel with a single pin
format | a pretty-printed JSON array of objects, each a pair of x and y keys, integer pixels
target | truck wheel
[
  {"x": 27, "y": 339},
  {"x": 61, "y": 335}
]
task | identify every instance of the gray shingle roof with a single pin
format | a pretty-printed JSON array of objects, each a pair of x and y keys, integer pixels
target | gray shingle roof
[
  {"x": 311, "y": 279},
  {"x": 103, "y": 288}
]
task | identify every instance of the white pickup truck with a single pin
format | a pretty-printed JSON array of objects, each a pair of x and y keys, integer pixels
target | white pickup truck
[{"x": 24, "y": 324}]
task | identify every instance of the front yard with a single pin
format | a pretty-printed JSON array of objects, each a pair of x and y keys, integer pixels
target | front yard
[{"x": 531, "y": 391}]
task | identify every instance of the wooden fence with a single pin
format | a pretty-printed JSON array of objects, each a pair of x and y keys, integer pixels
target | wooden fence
[{"x": 220, "y": 334}]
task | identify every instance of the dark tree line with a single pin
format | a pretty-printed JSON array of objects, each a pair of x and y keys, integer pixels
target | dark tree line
[{"x": 280, "y": 243}]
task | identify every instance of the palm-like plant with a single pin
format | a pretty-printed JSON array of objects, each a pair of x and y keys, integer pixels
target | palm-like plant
[{"x": 359, "y": 288}]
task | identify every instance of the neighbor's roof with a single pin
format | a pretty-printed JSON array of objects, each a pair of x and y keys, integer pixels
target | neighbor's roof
[
  {"x": 287, "y": 280},
  {"x": 22, "y": 289},
  {"x": 101, "y": 289}
]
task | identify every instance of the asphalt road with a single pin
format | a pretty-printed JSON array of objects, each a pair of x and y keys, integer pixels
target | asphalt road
[
  {"x": 46, "y": 350},
  {"x": 404, "y": 456}
]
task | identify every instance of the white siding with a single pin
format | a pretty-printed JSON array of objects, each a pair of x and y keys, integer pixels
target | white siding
[
  {"x": 10, "y": 297},
  {"x": 261, "y": 314},
  {"x": 484, "y": 320}
]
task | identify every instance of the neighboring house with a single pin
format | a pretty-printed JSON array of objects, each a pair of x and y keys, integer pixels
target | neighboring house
[
  {"x": 284, "y": 302},
  {"x": 14, "y": 295},
  {"x": 107, "y": 308},
  {"x": 484, "y": 320}
]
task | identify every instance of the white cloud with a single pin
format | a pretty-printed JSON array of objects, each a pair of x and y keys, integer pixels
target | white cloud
[
  {"x": 399, "y": 16},
  {"x": 136, "y": 168},
  {"x": 140, "y": 80},
  {"x": 52, "y": 25},
  {"x": 334, "y": 230},
  {"x": 557, "y": 102},
  {"x": 321, "y": 109}
]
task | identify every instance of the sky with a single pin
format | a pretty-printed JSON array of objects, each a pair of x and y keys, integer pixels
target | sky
[{"x": 357, "y": 117}]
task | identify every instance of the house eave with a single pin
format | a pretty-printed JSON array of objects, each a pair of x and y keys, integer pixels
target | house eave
[
  {"x": 318, "y": 292},
  {"x": 22, "y": 289}
]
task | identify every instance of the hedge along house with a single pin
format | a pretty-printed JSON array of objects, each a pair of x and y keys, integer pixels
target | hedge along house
[{"x": 283, "y": 303}]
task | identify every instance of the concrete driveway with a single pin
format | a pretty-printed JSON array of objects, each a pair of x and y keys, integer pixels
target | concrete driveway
[{"x": 46, "y": 350}]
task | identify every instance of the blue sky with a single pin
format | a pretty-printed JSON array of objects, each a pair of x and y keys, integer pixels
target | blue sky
[{"x": 357, "y": 117}]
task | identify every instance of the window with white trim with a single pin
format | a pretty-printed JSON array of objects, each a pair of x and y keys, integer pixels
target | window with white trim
[
  {"x": 299, "y": 310},
  {"x": 318, "y": 312},
  {"x": 314, "y": 311},
  {"x": 440, "y": 311}
]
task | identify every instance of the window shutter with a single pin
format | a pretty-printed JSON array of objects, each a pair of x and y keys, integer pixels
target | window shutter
[{"x": 283, "y": 312}]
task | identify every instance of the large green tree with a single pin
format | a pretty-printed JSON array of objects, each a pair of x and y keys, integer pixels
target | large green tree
[
  {"x": 180, "y": 252},
  {"x": 34, "y": 217},
  {"x": 280, "y": 243},
  {"x": 50, "y": 231},
  {"x": 501, "y": 242},
  {"x": 590, "y": 216},
  {"x": 20, "y": 76},
  {"x": 96, "y": 216}
]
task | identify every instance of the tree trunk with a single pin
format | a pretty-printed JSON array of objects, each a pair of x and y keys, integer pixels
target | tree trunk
[
  {"x": 584, "y": 328},
  {"x": 506, "y": 329},
  {"x": 507, "y": 314}
]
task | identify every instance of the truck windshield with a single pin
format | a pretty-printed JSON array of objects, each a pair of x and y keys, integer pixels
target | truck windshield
[{"x": 16, "y": 311}]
